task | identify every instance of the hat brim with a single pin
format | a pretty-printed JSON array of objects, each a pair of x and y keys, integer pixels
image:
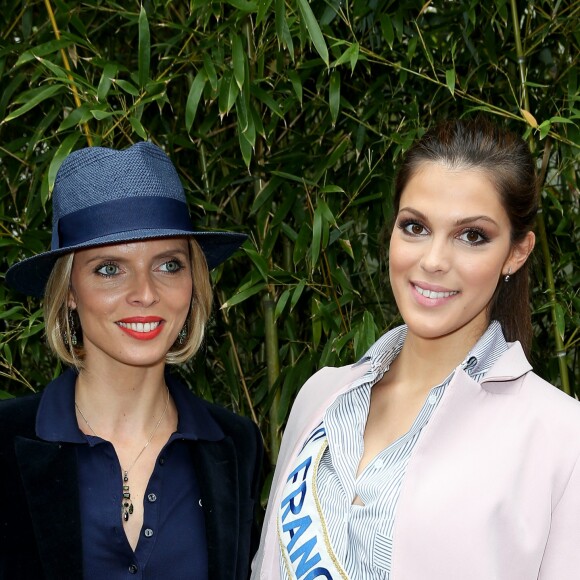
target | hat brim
[{"x": 31, "y": 274}]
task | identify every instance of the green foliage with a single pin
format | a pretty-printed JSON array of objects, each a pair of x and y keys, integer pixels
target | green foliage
[{"x": 286, "y": 119}]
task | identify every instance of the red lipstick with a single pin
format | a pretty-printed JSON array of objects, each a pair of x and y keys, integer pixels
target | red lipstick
[{"x": 141, "y": 327}]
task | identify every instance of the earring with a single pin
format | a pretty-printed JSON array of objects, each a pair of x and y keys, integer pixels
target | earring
[
  {"x": 182, "y": 336},
  {"x": 69, "y": 336},
  {"x": 508, "y": 275},
  {"x": 73, "y": 328}
]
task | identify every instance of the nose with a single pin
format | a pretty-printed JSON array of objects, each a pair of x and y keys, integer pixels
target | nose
[
  {"x": 143, "y": 291},
  {"x": 436, "y": 256}
]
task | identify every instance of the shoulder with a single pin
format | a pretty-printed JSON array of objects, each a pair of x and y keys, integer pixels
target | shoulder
[
  {"x": 18, "y": 416},
  {"x": 232, "y": 424},
  {"x": 557, "y": 408}
]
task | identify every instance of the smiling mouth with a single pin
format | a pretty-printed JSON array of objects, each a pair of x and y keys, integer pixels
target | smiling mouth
[
  {"x": 140, "y": 326},
  {"x": 432, "y": 294}
]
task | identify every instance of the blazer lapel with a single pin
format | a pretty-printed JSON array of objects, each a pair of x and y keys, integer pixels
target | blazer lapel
[
  {"x": 217, "y": 473},
  {"x": 48, "y": 472}
]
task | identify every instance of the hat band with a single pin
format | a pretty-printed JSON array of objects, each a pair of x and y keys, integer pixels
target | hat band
[{"x": 120, "y": 216}]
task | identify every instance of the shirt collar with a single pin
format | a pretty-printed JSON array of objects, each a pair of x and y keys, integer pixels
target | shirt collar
[
  {"x": 381, "y": 354},
  {"x": 56, "y": 417},
  {"x": 486, "y": 351},
  {"x": 479, "y": 360}
]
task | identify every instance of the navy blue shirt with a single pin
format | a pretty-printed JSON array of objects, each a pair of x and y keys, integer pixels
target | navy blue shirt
[{"x": 172, "y": 544}]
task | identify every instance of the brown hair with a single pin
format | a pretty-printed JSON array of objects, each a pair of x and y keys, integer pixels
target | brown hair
[
  {"x": 506, "y": 160},
  {"x": 58, "y": 323}
]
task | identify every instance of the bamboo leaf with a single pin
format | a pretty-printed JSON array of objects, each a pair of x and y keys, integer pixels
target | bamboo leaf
[
  {"x": 334, "y": 95},
  {"x": 238, "y": 57},
  {"x": 316, "y": 323},
  {"x": 76, "y": 117},
  {"x": 144, "y": 58},
  {"x": 545, "y": 128},
  {"x": 58, "y": 71},
  {"x": 281, "y": 304},
  {"x": 350, "y": 55},
  {"x": 332, "y": 189},
  {"x": 296, "y": 84},
  {"x": 346, "y": 246},
  {"x": 243, "y": 295},
  {"x": 138, "y": 127},
  {"x": 211, "y": 72},
  {"x": 61, "y": 153},
  {"x": 193, "y": 98},
  {"x": 35, "y": 97},
  {"x": 317, "y": 225},
  {"x": 297, "y": 294},
  {"x": 268, "y": 100},
  {"x": 450, "y": 80},
  {"x": 100, "y": 115},
  {"x": 258, "y": 261},
  {"x": 7, "y": 353},
  {"x": 127, "y": 87},
  {"x": 387, "y": 30},
  {"x": 7, "y": 314},
  {"x": 244, "y": 5},
  {"x": 313, "y": 30},
  {"x": 106, "y": 81},
  {"x": 530, "y": 119},
  {"x": 282, "y": 30},
  {"x": 228, "y": 93},
  {"x": 263, "y": 7},
  {"x": 41, "y": 50},
  {"x": 560, "y": 320}
]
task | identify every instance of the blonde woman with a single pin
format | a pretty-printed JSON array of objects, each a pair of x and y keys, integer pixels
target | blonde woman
[{"x": 117, "y": 470}]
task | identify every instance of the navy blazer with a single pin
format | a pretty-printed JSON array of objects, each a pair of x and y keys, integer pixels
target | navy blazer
[{"x": 40, "y": 526}]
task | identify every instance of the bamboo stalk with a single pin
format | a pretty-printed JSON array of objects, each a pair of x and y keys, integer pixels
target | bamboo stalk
[
  {"x": 540, "y": 222},
  {"x": 269, "y": 299},
  {"x": 273, "y": 365},
  {"x": 66, "y": 64}
]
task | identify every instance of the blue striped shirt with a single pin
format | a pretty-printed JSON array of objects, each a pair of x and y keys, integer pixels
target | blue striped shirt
[{"x": 362, "y": 535}]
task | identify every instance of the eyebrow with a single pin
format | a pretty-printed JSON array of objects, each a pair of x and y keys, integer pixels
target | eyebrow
[
  {"x": 121, "y": 258},
  {"x": 461, "y": 222}
]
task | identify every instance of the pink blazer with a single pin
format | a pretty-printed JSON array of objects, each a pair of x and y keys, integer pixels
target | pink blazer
[{"x": 492, "y": 490}]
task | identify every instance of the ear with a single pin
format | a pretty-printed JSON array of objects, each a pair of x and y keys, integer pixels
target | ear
[
  {"x": 519, "y": 254},
  {"x": 71, "y": 301}
]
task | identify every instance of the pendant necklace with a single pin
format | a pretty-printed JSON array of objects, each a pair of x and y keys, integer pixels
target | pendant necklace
[{"x": 126, "y": 503}]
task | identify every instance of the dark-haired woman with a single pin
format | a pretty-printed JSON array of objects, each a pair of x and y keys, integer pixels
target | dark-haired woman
[
  {"x": 439, "y": 455},
  {"x": 117, "y": 470}
]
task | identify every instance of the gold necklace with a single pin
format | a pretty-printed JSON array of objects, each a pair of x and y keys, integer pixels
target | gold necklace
[{"x": 126, "y": 503}]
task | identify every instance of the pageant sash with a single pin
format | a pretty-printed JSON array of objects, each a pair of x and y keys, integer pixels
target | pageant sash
[{"x": 304, "y": 542}]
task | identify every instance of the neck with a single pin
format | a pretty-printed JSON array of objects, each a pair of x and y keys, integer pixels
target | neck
[
  {"x": 427, "y": 362},
  {"x": 120, "y": 405}
]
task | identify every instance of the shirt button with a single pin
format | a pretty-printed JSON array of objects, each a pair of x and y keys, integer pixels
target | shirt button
[
  {"x": 432, "y": 399},
  {"x": 148, "y": 532},
  {"x": 379, "y": 463},
  {"x": 133, "y": 569},
  {"x": 162, "y": 461},
  {"x": 152, "y": 497}
]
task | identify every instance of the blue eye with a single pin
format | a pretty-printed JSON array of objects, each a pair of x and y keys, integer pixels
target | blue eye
[
  {"x": 109, "y": 269},
  {"x": 172, "y": 266}
]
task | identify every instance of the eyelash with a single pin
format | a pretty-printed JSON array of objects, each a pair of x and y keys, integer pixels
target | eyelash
[
  {"x": 404, "y": 224},
  {"x": 179, "y": 263},
  {"x": 104, "y": 265},
  {"x": 100, "y": 267}
]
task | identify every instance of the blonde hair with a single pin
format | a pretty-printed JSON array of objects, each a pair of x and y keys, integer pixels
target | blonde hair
[{"x": 57, "y": 314}]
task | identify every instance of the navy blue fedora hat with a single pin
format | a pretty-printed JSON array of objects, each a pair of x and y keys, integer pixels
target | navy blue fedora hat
[{"x": 105, "y": 196}]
